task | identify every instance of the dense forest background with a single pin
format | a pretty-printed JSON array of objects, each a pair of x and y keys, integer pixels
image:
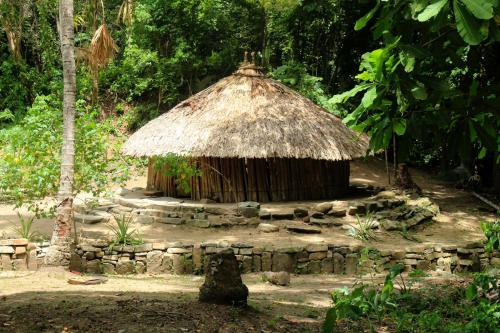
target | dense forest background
[{"x": 425, "y": 76}]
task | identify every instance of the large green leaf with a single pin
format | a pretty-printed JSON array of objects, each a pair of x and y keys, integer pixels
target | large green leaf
[
  {"x": 399, "y": 126},
  {"x": 482, "y": 9},
  {"x": 361, "y": 23},
  {"x": 341, "y": 98},
  {"x": 431, "y": 10},
  {"x": 369, "y": 97},
  {"x": 419, "y": 91},
  {"x": 468, "y": 26},
  {"x": 407, "y": 60}
]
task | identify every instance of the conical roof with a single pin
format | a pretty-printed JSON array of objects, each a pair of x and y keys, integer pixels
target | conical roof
[{"x": 248, "y": 115}]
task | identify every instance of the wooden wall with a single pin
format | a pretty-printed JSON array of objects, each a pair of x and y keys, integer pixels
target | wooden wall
[{"x": 262, "y": 180}]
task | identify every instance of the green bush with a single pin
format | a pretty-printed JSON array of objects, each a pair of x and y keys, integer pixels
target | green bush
[
  {"x": 30, "y": 153},
  {"x": 432, "y": 308}
]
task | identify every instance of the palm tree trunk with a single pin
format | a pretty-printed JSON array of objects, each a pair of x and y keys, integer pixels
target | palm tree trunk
[{"x": 60, "y": 247}]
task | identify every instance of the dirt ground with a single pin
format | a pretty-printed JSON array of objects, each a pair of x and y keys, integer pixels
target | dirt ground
[
  {"x": 43, "y": 301},
  {"x": 458, "y": 222}
]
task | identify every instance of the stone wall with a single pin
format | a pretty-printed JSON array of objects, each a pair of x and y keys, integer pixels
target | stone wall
[
  {"x": 156, "y": 258},
  {"x": 18, "y": 255}
]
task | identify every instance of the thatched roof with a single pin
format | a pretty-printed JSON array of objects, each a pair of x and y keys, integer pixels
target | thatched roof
[{"x": 248, "y": 115}]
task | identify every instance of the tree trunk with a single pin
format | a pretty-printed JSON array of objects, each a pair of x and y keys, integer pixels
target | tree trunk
[{"x": 60, "y": 247}]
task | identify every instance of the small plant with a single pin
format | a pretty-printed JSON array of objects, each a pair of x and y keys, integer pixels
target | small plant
[
  {"x": 363, "y": 230},
  {"x": 123, "y": 232},
  {"x": 23, "y": 230},
  {"x": 492, "y": 232},
  {"x": 362, "y": 303}
]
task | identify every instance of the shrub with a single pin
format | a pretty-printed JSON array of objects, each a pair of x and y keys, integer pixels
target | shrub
[
  {"x": 492, "y": 232},
  {"x": 30, "y": 153}
]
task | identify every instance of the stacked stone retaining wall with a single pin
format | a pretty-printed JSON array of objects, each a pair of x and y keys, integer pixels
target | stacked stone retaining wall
[
  {"x": 18, "y": 255},
  {"x": 156, "y": 258}
]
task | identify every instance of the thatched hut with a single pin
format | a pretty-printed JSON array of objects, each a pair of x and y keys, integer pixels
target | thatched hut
[{"x": 253, "y": 139}]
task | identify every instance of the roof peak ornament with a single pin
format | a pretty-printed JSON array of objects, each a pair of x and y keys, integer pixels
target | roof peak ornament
[{"x": 249, "y": 68}]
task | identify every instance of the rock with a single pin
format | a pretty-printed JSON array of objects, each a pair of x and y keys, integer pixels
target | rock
[
  {"x": 317, "y": 255},
  {"x": 352, "y": 210},
  {"x": 385, "y": 195},
  {"x": 7, "y": 250},
  {"x": 154, "y": 262},
  {"x": 314, "y": 267},
  {"x": 94, "y": 267},
  {"x": 207, "y": 201},
  {"x": 327, "y": 265},
  {"x": 321, "y": 222},
  {"x": 317, "y": 215},
  {"x": 246, "y": 264},
  {"x": 337, "y": 212},
  {"x": 170, "y": 220},
  {"x": 93, "y": 217},
  {"x": 265, "y": 215},
  {"x": 249, "y": 208},
  {"x": 351, "y": 263},
  {"x": 283, "y": 262},
  {"x": 178, "y": 250},
  {"x": 266, "y": 261},
  {"x": 316, "y": 248},
  {"x": 140, "y": 267},
  {"x": 20, "y": 264},
  {"x": 338, "y": 263},
  {"x": 14, "y": 242},
  {"x": 125, "y": 267},
  {"x": 283, "y": 215},
  {"x": 300, "y": 212},
  {"x": 108, "y": 268},
  {"x": 6, "y": 263},
  {"x": 267, "y": 227},
  {"x": 278, "y": 278},
  {"x": 146, "y": 247},
  {"x": 303, "y": 229},
  {"x": 323, "y": 207},
  {"x": 223, "y": 284}
]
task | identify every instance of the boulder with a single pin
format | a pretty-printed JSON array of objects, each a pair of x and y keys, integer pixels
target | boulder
[
  {"x": 409, "y": 215},
  {"x": 249, "y": 208},
  {"x": 337, "y": 212},
  {"x": 223, "y": 284},
  {"x": 317, "y": 215},
  {"x": 267, "y": 227},
  {"x": 323, "y": 207},
  {"x": 300, "y": 212},
  {"x": 282, "y": 215},
  {"x": 278, "y": 278}
]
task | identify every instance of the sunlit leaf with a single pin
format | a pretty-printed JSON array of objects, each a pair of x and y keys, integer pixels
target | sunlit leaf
[
  {"x": 369, "y": 97},
  {"x": 419, "y": 92},
  {"x": 361, "y": 23},
  {"x": 431, "y": 10},
  {"x": 482, "y": 9},
  {"x": 468, "y": 26}
]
